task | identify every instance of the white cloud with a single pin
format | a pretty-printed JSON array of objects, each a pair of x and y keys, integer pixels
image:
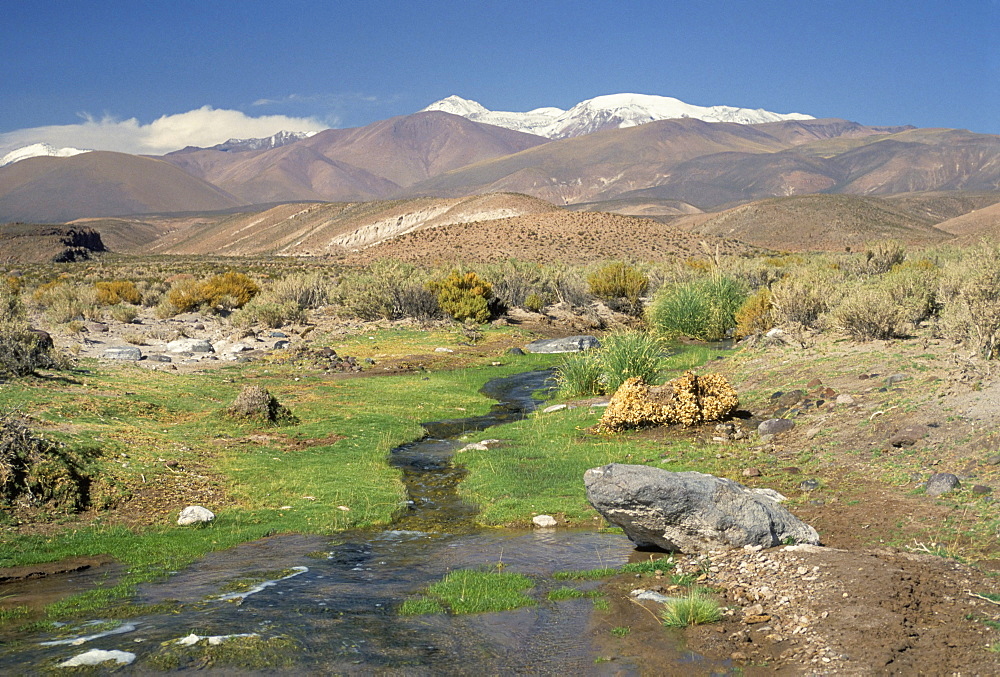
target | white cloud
[{"x": 205, "y": 126}]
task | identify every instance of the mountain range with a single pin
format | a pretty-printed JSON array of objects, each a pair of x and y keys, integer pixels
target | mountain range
[
  {"x": 607, "y": 155},
  {"x": 613, "y": 111}
]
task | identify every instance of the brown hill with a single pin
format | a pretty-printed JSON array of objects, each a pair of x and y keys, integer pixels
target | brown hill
[
  {"x": 653, "y": 208},
  {"x": 816, "y": 223},
  {"x": 710, "y": 165},
  {"x": 362, "y": 163},
  {"x": 313, "y": 229},
  {"x": 975, "y": 226},
  {"x": 559, "y": 236},
  {"x": 101, "y": 183},
  {"x": 939, "y": 206},
  {"x": 601, "y": 165},
  {"x": 44, "y": 243}
]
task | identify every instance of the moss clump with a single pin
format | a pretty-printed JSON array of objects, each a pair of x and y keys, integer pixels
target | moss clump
[
  {"x": 39, "y": 473},
  {"x": 256, "y": 404}
]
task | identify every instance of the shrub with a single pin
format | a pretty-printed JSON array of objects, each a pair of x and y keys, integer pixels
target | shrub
[
  {"x": 124, "y": 313},
  {"x": 118, "y": 291},
  {"x": 971, "y": 305},
  {"x": 268, "y": 312},
  {"x": 185, "y": 296},
  {"x": 802, "y": 296},
  {"x": 230, "y": 290},
  {"x": 620, "y": 285},
  {"x": 514, "y": 282},
  {"x": 64, "y": 302},
  {"x": 868, "y": 313},
  {"x": 704, "y": 308},
  {"x": 534, "y": 302},
  {"x": 756, "y": 315},
  {"x": 389, "y": 289},
  {"x": 306, "y": 290},
  {"x": 567, "y": 286},
  {"x": 463, "y": 296},
  {"x": 226, "y": 291},
  {"x": 882, "y": 256}
]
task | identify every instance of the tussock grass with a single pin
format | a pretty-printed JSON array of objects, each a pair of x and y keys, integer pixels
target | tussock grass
[
  {"x": 696, "y": 609},
  {"x": 469, "y": 591}
]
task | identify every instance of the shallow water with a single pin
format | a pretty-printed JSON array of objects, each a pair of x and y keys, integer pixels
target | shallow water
[{"x": 338, "y": 598}]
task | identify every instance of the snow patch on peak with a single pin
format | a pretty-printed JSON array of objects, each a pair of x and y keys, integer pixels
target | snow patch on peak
[
  {"x": 38, "y": 150},
  {"x": 456, "y": 105},
  {"x": 608, "y": 111}
]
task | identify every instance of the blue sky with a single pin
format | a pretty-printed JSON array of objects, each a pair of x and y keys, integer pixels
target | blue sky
[{"x": 108, "y": 71}]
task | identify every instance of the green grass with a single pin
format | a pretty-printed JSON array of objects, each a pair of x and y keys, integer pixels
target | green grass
[
  {"x": 695, "y": 609},
  {"x": 420, "y": 606},
  {"x": 564, "y": 593},
  {"x": 469, "y": 591},
  {"x": 585, "y": 575},
  {"x": 141, "y": 419},
  {"x": 621, "y": 630}
]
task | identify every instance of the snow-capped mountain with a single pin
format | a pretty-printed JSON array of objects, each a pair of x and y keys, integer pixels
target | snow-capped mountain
[
  {"x": 38, "y": 150},
  {"x": 605, "y": 112},
  {"x": 276, "y": 140}
]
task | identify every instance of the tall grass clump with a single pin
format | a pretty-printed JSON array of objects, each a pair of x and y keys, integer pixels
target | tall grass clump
[
  {"x": 619, "y": 285},
  {"x": 704, "y": 308},
  {"x": 695, "y": 609},
  {"x": 622, "y": 356},
  {"x": 518, "y": 284},
  {"x": 469, "y": 591}
]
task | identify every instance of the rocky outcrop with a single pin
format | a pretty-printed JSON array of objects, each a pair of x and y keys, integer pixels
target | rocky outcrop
[
  {"x": 687, "y": 400},
  {"x": 690, "y": 511}
]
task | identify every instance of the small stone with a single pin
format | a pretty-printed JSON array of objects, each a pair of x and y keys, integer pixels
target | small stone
[
  {"x": 993, "y": 460},
  {"x": 515, "y": 351},
  {"x": 281, "y": 345},
  {"x": 896, "y": 378},
  {"x": 751, "y": 472},
  {"x": 195, "y": 514},
  {"x": 554, "y": 407},
  {"x": 941, "y": 483},
  {"x": 278, "y": 334},
  {"x": 809, "y": 485},
  {"x": 159, "y": 358},
  {"x": 443, "y": 350},
  {"x": 981, "y": 489},
  {"x": 97, "y": 328},
  {"x": 753, "y": 620},
  {"x": 544, "y": 521},
  {"x": 773, "y": 426},
  {"x": 815, "y": 383},
  {"x": 844, "y": 398}
]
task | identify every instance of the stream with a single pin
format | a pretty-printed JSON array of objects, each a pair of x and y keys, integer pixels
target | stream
[{"x": 337, "y": 597}]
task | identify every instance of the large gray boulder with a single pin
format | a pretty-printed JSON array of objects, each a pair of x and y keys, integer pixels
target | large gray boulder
[
  {"x": 690, "y": 511},
  {"x": 570, "y": 344}
]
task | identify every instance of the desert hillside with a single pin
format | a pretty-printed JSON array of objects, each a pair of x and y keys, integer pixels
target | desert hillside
[
  {"x": 558, "y": 236},
  {"x": 817, "y": 223}
]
